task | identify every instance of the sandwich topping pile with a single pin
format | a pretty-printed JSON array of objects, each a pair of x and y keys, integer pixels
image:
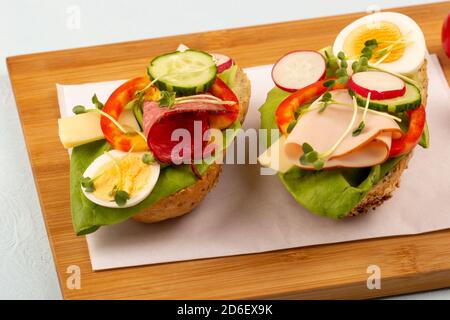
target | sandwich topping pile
[
  {"x": 348, "y": 115},
  {"x": 124, "y": 157}
]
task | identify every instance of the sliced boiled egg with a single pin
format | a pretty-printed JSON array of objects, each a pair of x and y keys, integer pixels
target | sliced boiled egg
[
  {"x": 125, "y": 171},
  {"x": 401, "y": 43}
]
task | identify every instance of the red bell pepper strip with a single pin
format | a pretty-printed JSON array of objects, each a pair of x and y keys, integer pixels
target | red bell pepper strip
[
  {"x": 285, "y": 112},
  {"x": 408, "y": 141},
  {"x": 114, "y": 107},
  {"x": 220, "y": 90}
]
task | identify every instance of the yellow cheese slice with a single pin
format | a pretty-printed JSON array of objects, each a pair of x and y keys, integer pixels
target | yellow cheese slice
[
  {"x": 84, "y": 128},
  {"x": 275, "y": 158},
  {"x": 80, "y": 129}
]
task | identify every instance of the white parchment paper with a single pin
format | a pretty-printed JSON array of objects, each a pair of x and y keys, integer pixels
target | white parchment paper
[{"x": 250, "y": 213}]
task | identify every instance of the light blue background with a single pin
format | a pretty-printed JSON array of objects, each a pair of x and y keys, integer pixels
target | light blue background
[{"x": 26, "y": 26}]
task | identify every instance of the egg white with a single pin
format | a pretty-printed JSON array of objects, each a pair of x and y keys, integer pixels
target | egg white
[
  {"x": 414, "y": 53},
  {"x": 98, "y": 163}
]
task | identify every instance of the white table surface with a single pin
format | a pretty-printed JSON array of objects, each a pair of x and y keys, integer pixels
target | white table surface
[{"x": 26, "y": 264}]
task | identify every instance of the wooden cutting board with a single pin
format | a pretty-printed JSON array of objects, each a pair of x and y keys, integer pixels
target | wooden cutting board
[{"x": 408, "y": 263}]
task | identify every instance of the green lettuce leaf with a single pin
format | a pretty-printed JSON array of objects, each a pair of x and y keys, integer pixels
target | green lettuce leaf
[
  {"x": 228, "y": 76},
  {"x": 331, "y": 193},
  {"x": 87, "y": 216}
]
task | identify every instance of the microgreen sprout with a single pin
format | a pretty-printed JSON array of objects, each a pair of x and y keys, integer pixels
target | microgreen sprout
[
  {"x": 98, "y": 105},
  {"x": 331, "y": 63},
  {"x": 140, "y": 93},
  {"x": 88, "y": 184},
  {"x": 121, "y": 197},
  {"x": 341, "y": 73},
  {"x": 207, "y": 98},
  {"x": 113, "y": 191},
  {"x": 167, "y": 99},
  {"x": 131, "y": 105},
  {"x": 311, "y": 157},
  {"x": 359, "y": 129},
  {"x": 79, "y": 109},
  {"x": 329, "y": 83},
  {"x": 137, "y": 105},
  {"x": 362, "y": 124},
  {"x": 326, "y": 100},
  {"x": 291, "y": 126},
  {"x": 299, "y": 110},
  {"x": 148, "y": 158}
]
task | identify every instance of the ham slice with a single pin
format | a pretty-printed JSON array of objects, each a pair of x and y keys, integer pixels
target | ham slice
[
  {"x": 322, "y": 131},
  {"x": 160, "y": 122}
]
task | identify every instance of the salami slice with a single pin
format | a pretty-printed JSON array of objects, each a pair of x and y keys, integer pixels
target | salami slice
[{"x": 161, "y": 122}]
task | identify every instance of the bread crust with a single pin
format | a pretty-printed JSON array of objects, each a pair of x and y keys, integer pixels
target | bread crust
[
  {"x": 185, "y": 200},
  {"x": 384, "y": 189}
]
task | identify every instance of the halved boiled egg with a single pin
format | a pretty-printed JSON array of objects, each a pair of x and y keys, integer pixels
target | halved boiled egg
[
  {"x": 116, "y": 171},
  {"x": 401, "y": 43}
]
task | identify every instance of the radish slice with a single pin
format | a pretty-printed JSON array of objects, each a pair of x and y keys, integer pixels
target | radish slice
[
  {"x": 222, "y": 61},
  {"x": 381, "y": 85},
  {"x": 298, "y": 69}
]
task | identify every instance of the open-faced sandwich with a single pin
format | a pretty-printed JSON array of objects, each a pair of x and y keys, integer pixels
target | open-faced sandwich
[
  {"x": 349, "y": 116},
  {"x": 147, "y": 152}
]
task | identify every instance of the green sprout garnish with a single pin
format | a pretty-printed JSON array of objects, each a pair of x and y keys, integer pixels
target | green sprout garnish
[
  {"x": 131, "y": 104},
  {"x": 97, "y": 103},
  {"x": 329, "y": 83},
  {"x": 137, "y": 105},
  {"x": 167, "y": 99},
  {"x": 331, "y": 64},
  {"x": 359, "y": 129},
  {"x": 121, "y": 197},
  {"x": 88, "y": 184},
  {"x": 362, "y": 124},
  {"x": 148, "y": 158},
  {"x": 79, "y": 109},
  {"x": 291, "y": 126},
  {"x": 341, "y": 73},
  {"x": 311, "y": 157},
  {"x": 339, "y": 70},
  {"x": 113, "y": 191},
  {"x": 326, "y": 100}
]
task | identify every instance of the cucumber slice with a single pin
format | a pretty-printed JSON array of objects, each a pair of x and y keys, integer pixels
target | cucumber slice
[
  {"x": 186, "y": 73},
  {"x": 409, "y": 101}
]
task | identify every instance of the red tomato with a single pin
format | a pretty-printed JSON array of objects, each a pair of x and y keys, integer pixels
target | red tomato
[{"x": 446, "y": 35}]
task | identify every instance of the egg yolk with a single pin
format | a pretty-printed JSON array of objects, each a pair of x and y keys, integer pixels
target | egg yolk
[
  {"x": 133, "y": 176},
  {"x": 388, "y": 36}
]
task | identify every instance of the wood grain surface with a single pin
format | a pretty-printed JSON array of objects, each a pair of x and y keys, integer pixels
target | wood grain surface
[{"x": 408, "y": 263}]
